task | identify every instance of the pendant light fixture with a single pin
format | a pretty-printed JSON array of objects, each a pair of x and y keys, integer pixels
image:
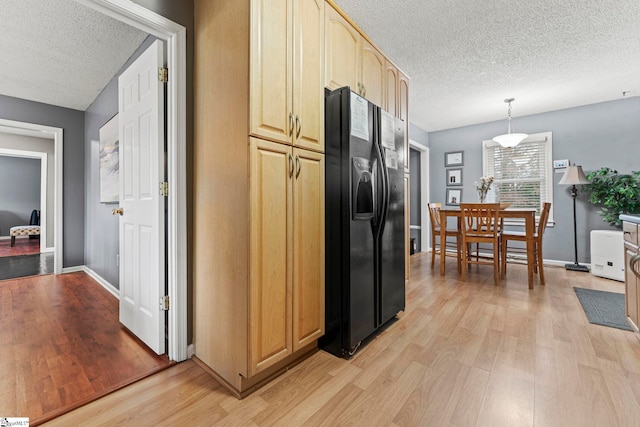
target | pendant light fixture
[{"x": 510, "y": 140}]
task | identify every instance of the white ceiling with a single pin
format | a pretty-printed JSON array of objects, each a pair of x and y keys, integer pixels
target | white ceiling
[
  {"x": 60, "y": 52},
  {"x": 464, "y": 57}
]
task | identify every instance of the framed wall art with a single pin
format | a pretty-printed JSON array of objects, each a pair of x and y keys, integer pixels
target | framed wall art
[
  {"x": 109, "y": 162},
  {"x": 453, "y": 196},
  {"x": 453, "y": 158},
  {"x": 454, "y": 177}
]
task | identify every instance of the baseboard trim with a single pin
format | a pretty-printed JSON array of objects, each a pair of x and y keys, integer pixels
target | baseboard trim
[
  {"x": 75, "y": 269},
  {"x": 105, "y": 284}
]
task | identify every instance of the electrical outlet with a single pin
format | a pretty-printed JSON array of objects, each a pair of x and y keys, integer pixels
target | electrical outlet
[
  {"x": 560, "y": 164},
  {"x": 117, "y": 260}
]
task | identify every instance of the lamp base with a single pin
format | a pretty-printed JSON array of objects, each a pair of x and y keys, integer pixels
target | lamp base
[{"x": 577, "y": 267}]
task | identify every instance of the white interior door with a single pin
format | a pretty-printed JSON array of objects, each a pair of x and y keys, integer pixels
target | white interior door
[{"x": 141, "y": 153}]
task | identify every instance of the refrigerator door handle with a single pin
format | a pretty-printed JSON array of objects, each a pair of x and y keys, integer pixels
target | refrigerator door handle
[
  {"x": 380, "y": 210},
  {"x": 374, "y": 187}
]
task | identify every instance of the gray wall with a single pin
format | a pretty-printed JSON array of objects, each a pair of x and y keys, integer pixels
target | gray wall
[
  {"x": 72, "y": 123},
  {"x": 418, "y": 135},
  {"x": 604, "y": 134},
  {"x": 39, "y": 145},
  {"x": 19, "y": 191},
  {"x": 101, "y": 227}
]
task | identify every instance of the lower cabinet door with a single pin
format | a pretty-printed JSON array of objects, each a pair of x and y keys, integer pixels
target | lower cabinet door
[
  {"x": 308, "y": 248},
  {"x": 631, "y": 291},
  {"x": 270, "y": 304}
]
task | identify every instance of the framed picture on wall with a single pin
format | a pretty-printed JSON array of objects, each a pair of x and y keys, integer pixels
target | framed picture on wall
[
  {"x": 109, "y": 162},
  {"x": 453, "y": 196},
  {"x": 454, "y": 177},
  {"x": 453, "y": 158}
]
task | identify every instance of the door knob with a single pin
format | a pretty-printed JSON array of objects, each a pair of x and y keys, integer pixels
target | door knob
[{"x": 119, "y": 211}]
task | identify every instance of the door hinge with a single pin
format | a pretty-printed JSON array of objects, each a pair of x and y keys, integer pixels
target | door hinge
[
  {"x": 164, "y": 303},
  {"x": 164, "y": 189},
  {"x": 163, "y": 75}
]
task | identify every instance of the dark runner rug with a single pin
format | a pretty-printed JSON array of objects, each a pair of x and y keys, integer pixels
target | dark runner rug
[
  {"x": 603, "y": 308},
  {"x": 12, "y": 267}
]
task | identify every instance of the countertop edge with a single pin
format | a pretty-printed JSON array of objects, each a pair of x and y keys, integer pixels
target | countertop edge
[{"x": 630, "y": 218}]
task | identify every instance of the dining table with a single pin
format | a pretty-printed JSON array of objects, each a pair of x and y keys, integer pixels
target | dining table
[{"x": 506, "y": 213}]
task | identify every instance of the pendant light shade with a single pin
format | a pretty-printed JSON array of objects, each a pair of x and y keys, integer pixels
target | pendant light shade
[{"x": 510, "y": 140}]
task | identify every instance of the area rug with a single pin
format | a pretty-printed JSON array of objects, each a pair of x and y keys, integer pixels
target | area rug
[{"x": 603, "y": 308}]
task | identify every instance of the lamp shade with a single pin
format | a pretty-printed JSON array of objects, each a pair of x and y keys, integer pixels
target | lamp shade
[
  {"x": 574, "y": 176},
  {"x": 510, "y": 140}
]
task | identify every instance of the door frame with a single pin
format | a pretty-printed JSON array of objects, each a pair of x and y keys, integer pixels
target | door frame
[
  {"x": 425, "y": 224},
  {"x": 175, "y": 36},
  {"x": 55, "y": 134},
  {"x": 42, "y": 156}
]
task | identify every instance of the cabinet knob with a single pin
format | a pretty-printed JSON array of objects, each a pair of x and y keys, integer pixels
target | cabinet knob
[
  {"x": 299, "y": 166},
  {"x": 298, "y": 126}
]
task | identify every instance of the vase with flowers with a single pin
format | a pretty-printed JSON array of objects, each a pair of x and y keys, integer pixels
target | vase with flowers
[{"x": 483, "y": 186}]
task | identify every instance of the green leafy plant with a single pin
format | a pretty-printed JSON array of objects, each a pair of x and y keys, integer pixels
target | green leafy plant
[{"x": 614, "y": 193}]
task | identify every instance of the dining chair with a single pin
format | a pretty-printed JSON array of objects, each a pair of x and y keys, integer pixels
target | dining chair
[
  {"x": 481, "y": 224},
  {"x": 434, "y": 215},
  {"x": 520, "y": 236}
]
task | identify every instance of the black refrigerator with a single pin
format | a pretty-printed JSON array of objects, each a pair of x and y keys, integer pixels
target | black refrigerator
[{"x": 364, "y": 220}]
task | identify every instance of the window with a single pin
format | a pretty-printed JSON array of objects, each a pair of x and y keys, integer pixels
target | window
[{"x": 523, "y": 174}]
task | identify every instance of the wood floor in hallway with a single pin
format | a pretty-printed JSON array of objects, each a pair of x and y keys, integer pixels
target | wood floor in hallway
[
  {"x": 463, "y": 354},
  {"x": 63, "y": 346}
]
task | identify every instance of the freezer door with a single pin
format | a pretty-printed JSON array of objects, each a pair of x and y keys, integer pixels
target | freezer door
[{"x": 392, "y": 244}]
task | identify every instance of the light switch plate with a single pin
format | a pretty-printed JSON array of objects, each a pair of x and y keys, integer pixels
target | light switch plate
[{"x": 560, "y": 163}]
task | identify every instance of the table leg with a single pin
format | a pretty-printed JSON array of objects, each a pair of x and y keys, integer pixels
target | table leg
[
  {"x": 443, "y": 240},
  {"x": 531, "y": 252}
]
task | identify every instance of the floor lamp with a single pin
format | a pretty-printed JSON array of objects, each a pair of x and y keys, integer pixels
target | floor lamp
[{"x": 574, "y": 176}]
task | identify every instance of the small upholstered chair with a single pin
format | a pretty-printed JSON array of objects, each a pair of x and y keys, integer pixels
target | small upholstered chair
[
  {"x": 520, "y": 236},
  {"x": 481, "y": 224},
  {"x": 434, "y": 215}
]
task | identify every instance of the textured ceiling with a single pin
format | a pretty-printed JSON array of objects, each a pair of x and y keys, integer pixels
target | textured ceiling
[
  {"x": 465, "y": 57},
  {"x": 60, "y": 52}
]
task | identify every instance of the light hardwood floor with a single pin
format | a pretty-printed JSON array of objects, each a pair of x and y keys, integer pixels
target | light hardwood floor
[{"x": 462, "y": 354}]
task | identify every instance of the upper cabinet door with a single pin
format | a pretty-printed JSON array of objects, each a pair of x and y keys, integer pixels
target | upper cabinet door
[
  {"x": 308, "y": 74},
  {"x": 342, "y": 52},
  {"x": 403, "y": 105},
  {"x": 373, "y": 74},
  {"x": 391, "y": 99},
  {"x": 271, "y": 77}
]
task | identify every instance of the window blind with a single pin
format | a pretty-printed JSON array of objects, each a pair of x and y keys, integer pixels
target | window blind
[{"x": 520, "y": 174}]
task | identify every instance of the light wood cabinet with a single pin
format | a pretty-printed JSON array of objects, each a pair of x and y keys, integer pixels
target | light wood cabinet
[
  {"x": 258, "y": 192},
  {"x": 391, "y": 82},
  {"x": 632, "y": 282},
  {"x": 286, "y": 277},
  {"x": 308, "y": 248},
  {"x": 403, "y": 113},
  {"x": 270, "y": 304},
  {"x": 373, "y": 74},
  {"x": 342, "y": 52},
  {"x": 287, "y": 44}
]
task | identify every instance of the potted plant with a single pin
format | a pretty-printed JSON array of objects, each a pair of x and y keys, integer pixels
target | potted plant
[{"x": 614, "y": 193}]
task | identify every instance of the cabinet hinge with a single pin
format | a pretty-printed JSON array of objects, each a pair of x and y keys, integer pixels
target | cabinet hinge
[
  {"x": 164, "y": 303},
  {"x": 164, "y": 189},
  {"x": 163, "y": 75}
]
